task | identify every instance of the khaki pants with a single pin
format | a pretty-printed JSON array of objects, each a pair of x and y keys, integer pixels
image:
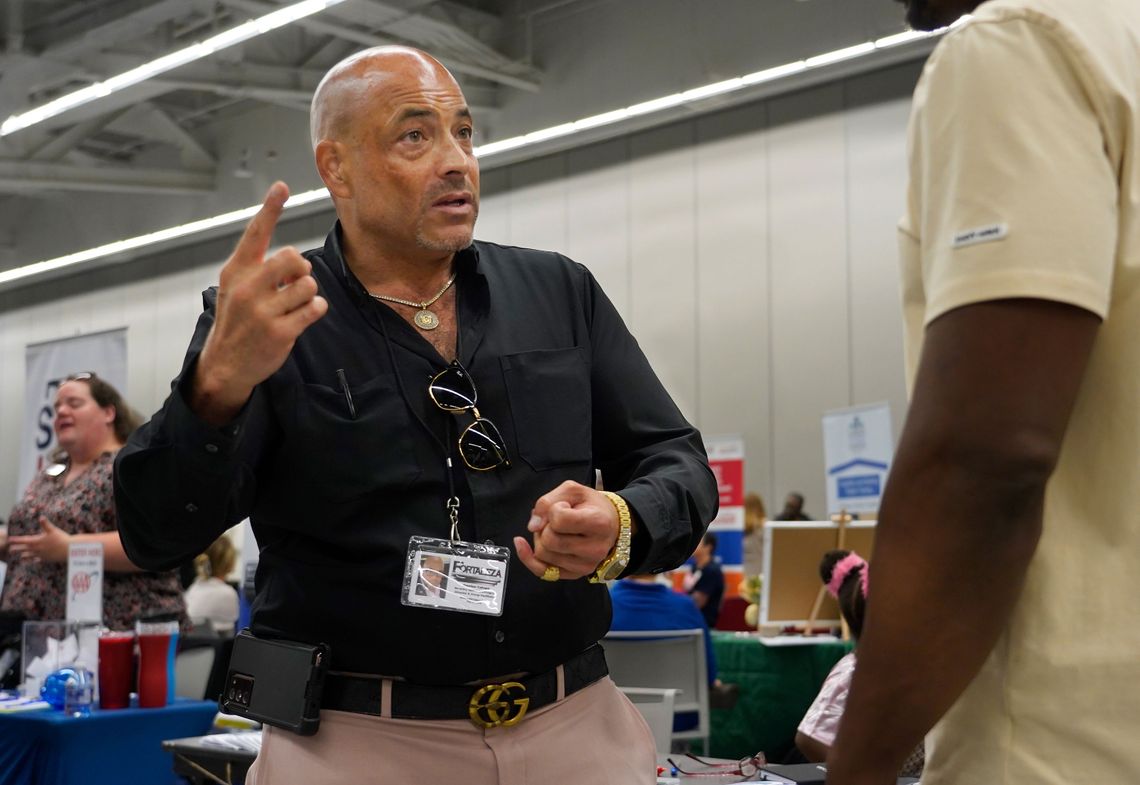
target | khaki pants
[{"x": 593, "y": 737}]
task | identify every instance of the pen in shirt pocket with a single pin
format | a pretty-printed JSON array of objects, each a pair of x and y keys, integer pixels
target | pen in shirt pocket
[{"x": 347, "y": 393}]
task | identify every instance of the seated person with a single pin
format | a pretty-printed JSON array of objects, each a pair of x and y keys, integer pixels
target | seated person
[
  {"x": 210, "y": 598},
  {"x": 706, "y": 583},
  {"x": 640, "y": 602},
  {"x": 845, "y": 575}
]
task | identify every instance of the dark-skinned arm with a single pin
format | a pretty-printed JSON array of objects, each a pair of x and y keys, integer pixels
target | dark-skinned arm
[
  {"x": 960, "y": 519},
  {"x": 812, "y": 749}
]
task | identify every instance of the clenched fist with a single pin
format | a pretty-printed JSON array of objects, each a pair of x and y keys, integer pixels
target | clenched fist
[{"x": 574, "y": 528}]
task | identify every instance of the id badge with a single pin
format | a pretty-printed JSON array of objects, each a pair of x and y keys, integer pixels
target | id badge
[{"x": 468, "y": 577}]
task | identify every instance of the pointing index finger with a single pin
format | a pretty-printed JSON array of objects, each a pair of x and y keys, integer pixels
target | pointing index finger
[{"x": 258, "y": 233}]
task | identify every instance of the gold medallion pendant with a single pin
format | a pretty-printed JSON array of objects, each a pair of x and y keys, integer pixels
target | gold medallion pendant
[{"x": 426, "y": 320}]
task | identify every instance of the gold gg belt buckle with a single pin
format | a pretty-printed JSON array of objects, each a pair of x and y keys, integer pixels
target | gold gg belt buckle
[{"x": 491, "y": 705}]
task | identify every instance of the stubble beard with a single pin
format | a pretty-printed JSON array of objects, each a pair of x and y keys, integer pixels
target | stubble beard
[{"x": 452, "y": 244}]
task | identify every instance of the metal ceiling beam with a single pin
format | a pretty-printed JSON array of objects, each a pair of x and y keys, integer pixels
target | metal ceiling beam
[
  {"x": 130, "y": 27},
  {"x": 282, "y": 96},
  {"x": 443, "y": 39},
  {"x": 151, "y": 122},
  {"x": 527, "y": 82},
  {"x": 123, "y": 99},
  {"x": 60, "y": 145},
  {"x": 479, "y": 101},
  {"x": 31, "y": 176}
]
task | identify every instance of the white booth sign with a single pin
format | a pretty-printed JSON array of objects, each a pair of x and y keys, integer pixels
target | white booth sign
[
  {"x": 85, "y": 581},
  {"x": 858, "y": 448},
  {"x": 46, "y": 365}
]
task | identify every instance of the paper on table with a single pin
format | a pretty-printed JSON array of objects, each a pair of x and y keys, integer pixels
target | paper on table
[
  {"x": 250, "y": 740},
  {"x": 797, "y": 640},
  {"x": 19, "y": 703}
]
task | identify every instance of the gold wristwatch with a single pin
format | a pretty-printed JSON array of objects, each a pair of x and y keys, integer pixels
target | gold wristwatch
[{"x": 618, "y": 558}]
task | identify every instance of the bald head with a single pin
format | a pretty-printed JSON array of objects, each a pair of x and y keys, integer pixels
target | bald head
[
  {"x": 349, "y": 82},
  {"x": 393, "y": 143}
]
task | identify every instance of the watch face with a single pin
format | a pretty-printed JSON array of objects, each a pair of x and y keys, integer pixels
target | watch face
[{"x": 613, "y": 569}]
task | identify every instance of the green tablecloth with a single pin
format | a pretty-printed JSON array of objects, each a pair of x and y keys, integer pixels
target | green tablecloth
[{"x": 777, "y": 684}]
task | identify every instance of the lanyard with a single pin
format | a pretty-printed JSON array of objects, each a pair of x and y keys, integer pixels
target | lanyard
[{"x": 452, "y": 503}]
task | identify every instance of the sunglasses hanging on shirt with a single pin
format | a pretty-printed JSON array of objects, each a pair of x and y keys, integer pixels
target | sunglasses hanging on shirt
[{"x": 480, "y": 444}]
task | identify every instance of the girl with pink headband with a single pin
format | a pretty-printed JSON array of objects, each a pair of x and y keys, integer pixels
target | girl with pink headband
[{"x": 844, "y": 573}]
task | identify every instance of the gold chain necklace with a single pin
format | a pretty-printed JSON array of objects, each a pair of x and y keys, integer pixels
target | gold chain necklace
[{"x": 424, "y": 319}]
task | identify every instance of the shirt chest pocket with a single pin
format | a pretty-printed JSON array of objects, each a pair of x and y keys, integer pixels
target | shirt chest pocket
[
  {"x": 356, "y": 448},
  {"x": 549, "y": 394}
]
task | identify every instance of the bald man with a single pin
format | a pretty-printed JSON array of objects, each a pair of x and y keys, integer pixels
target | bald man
[{"x": 405, "y": 393}]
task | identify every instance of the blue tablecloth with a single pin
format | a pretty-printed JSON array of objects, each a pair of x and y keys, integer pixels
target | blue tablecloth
[{"x": 117, "y": 746}]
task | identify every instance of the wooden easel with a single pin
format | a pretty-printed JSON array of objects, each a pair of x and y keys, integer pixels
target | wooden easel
[{"x": 841, "y": 519}]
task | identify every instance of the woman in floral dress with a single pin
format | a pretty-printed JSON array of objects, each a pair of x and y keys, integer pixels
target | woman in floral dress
[{"x": 73, "y": 501}]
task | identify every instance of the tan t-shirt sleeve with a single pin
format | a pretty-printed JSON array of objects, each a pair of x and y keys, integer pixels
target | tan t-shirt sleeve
[{"x": 1015, "y": 194}]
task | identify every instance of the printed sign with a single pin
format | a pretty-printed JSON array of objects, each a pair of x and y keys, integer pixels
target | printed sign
[
  {"x": 85, "y": 581},
  {"x": 46, "y": 365},
  {"x": 858, "y": 448},
  {"x": 726, "y": 459}
]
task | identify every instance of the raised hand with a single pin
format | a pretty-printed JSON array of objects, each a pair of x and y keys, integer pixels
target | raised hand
[
  {"x": 264, "y": 304},
  {"x": 574, "y": 528}
]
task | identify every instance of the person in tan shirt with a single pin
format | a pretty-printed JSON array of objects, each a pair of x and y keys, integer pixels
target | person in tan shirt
[{"x": 1005, "y": 614}]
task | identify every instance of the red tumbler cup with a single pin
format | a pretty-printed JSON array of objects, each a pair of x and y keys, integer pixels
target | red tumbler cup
[
  {"x": 158, "y": 641},
  {"x": 116, "y": 656}
]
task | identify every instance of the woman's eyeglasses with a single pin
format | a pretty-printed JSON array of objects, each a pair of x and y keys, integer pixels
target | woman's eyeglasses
[
  {"x": 480, "y": 444},
  {"x": 745, "y": 767}
]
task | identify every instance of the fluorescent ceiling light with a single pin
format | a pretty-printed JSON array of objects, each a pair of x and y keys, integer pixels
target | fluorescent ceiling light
[
  {"x": 236, "y": 35},
  {"x": 483, "y": 151},
  {"x": 840, "y": 54},
  {"x": 174, "y": 232},
  {"x": 700, "y": 93}
]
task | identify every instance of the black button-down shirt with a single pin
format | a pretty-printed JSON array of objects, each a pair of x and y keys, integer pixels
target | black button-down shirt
[{"x": 335, "y": 491}]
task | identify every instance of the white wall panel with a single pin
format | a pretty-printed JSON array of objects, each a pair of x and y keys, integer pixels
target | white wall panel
[
  {"x": 597, "y": 216},
  {"x": 494, "y": 224},
  {"x": 14, "y": 326},
  {"x": 808, "y": 215},
  {"x": 732, "y": 282},
  {"x": 538, "y": 204},
  {"x": 663, "y": 257},
  {"x": 876, "y": 183}
]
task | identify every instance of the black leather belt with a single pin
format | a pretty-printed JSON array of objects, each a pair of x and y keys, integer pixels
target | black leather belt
[{"x": 488, "y": 706}]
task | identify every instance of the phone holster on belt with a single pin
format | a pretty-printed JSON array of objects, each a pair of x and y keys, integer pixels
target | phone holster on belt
[{"x": 276, "y": 682}]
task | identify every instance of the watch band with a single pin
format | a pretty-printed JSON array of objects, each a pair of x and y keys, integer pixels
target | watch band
[{"x": 618, "y": 557}]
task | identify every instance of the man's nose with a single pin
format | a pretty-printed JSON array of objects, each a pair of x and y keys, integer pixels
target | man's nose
[{"x": 454, "y": 158}]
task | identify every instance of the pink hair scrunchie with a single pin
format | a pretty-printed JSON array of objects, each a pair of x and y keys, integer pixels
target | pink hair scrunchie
[{"x": 842, "y": 569}]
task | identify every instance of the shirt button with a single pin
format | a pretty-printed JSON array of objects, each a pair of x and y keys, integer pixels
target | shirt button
[
  {"x": 191, "y": 507},
  {"x": 211, "y": 448},
  {"x": 500, "y": 636}
]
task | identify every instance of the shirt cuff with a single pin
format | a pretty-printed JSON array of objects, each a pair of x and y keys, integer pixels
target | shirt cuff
[
  {"x": 645, "y": 547},
  {"x": 206, "y": 447}
]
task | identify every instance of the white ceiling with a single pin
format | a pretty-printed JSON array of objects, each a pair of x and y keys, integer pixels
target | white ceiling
[{"x": 210, "y": 135}]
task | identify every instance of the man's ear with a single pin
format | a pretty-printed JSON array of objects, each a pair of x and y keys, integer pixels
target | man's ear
[{"x": 333, "y": 168}]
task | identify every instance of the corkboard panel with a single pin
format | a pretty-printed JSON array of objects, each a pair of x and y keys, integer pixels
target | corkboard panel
[{"x": 791, "y": 568}]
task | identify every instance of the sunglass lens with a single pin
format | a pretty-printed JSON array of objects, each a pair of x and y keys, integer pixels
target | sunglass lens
[
  {"x": 482, "y": 445},
  {"x": 453, "y": 390}
]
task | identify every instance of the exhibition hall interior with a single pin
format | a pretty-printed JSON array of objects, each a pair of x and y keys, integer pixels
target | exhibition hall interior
[{"x": 506, "y": 391}]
